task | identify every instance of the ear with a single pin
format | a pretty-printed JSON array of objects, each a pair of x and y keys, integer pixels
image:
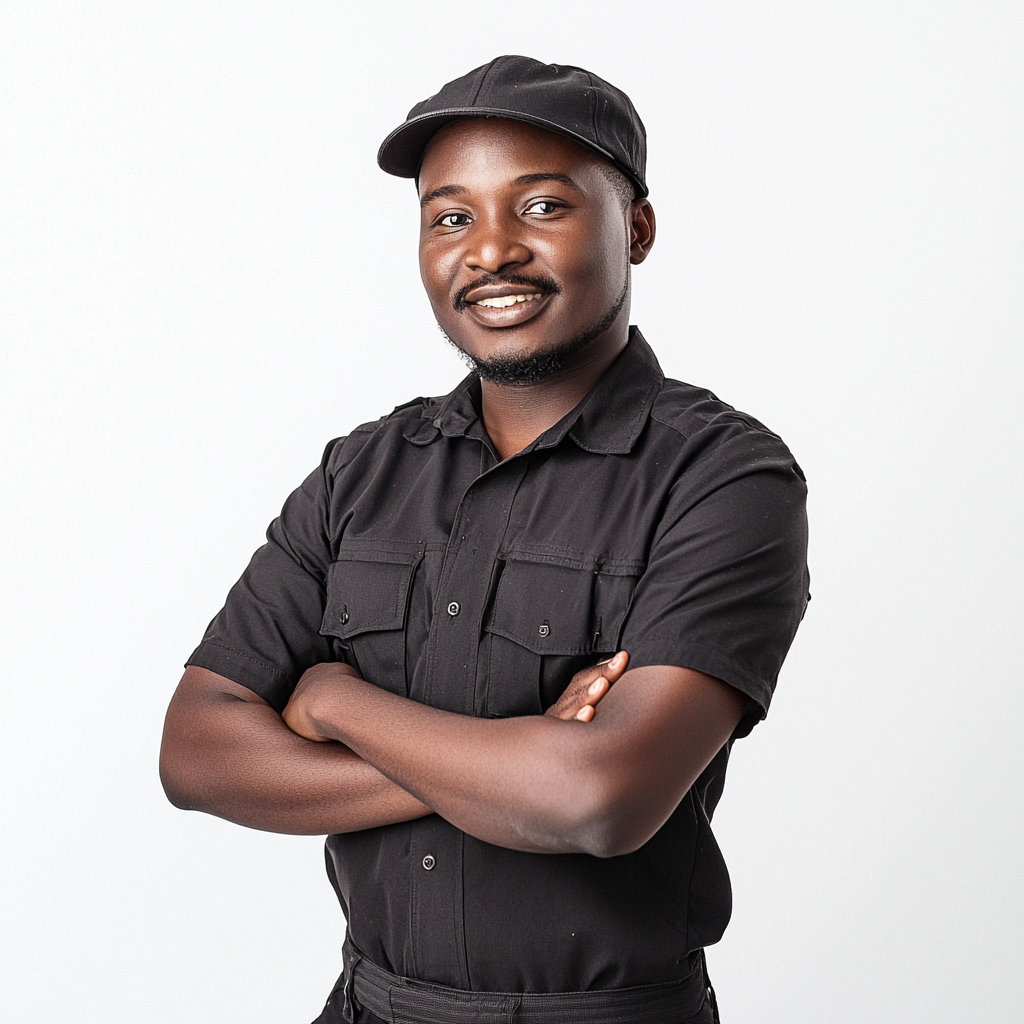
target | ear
[{"x": 642, "y": 229}]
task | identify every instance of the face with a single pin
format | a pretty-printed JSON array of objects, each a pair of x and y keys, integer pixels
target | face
[{"x": 525, "y": 248}]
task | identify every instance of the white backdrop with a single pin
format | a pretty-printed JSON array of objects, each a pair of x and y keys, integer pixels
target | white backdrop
[{"x": 205, "y": 277}]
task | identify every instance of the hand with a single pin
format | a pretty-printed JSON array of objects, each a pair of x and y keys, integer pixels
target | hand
[
  {"x": 298, "y": 715},
  {"x": 586, "y": 689}
]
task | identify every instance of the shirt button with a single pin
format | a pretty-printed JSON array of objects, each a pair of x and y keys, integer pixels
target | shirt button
[
  {"x": 544, "y": 629},
  {"x": 344, "y": 614},
  {"x": 453, "y": 608},
  {"x": 429, "y": 862}
]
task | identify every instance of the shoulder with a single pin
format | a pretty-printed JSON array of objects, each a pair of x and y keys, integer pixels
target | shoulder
[
  {"x": 404, "y": 421},
  {"x": 691, "y": 410},
  {"x": 706, "y": 427}
]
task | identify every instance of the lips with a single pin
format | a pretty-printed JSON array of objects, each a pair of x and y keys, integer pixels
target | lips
[
  {"x": 502, "y": 301},
  {"x": 506, "y": 303},
  {"x": 507, "y": 316}
]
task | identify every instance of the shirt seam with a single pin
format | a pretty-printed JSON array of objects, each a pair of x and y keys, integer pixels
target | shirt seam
[
  {"x": 756, "y": 428},
  {"x": 714, "y": 650},
  {"x": 245, "y": 656},
  {"x": 581, "y": 559}
]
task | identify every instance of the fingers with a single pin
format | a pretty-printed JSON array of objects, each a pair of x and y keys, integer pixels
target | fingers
[
  {"x": 595, "y": 691},
  {"x": 332, "y": 669},
  {"x": 613, "y": 668},
  {"x": 587, "y": 688}
]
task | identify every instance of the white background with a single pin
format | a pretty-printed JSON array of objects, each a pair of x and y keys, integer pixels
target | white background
[{"x": 205, "y": 277}]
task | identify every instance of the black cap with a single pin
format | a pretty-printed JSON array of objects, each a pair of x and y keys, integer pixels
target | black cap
[{"x": 562, "y": 99}]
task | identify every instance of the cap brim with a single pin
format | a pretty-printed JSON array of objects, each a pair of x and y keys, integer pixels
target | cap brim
[{"x": 401, "y": 153}]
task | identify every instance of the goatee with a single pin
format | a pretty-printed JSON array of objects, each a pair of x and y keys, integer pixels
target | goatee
[{"x": 521, "y": 370}]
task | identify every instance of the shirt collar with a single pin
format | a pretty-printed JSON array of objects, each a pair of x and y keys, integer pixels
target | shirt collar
[{"x": 607, "y": 421}]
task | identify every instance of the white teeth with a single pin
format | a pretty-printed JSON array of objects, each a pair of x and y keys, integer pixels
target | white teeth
[{"x": 507, "y": 300}]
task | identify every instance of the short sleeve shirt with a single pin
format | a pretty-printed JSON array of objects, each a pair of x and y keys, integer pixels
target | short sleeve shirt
[{"x": 653, "y": 518}]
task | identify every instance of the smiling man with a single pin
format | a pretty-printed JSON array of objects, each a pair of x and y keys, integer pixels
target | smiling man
[{"x": 499, "y": 644}]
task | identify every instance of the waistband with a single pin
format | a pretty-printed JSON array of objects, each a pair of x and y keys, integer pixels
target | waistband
[{"x": 399, "y": 1000}]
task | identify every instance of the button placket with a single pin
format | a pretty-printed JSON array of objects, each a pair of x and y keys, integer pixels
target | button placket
[{"x": 450, "y": 671}]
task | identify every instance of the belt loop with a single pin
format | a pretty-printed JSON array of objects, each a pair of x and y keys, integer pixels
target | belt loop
[
  {"x": 510, "y": 1008},
  {"x": 711, "y": 989},
  {"x": 352, "y": 957}
]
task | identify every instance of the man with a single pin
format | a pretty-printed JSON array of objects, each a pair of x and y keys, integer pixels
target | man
[{"x": 421, "y": 660}]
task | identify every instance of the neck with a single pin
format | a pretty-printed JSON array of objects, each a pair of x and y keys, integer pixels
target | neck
[{"x": 515, "y": 416}]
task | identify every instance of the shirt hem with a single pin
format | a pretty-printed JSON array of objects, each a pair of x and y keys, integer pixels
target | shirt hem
[
  {"x": 712, "y": 662},
  {"x": 252, "y": 673}
]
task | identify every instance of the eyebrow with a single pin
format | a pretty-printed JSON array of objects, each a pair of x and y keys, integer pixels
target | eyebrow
[
  {"x": 536, "y": 179},
  {"x": 524, "y": 179},
  {"x": 442, "y": 193}
]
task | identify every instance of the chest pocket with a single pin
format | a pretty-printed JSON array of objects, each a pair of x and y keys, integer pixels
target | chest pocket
[
  {"x": 547, "y": 622},
  {"x": 368, "y": 593}
]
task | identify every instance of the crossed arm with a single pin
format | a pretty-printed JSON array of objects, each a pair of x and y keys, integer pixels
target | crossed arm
[
  {"x": 226, "y": 751},
  {"x": 566, "y": 782}
]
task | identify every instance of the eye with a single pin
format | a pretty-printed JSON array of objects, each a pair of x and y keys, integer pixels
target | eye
[
  {"x": 453, "y": 220},
  {"x": 543, "y": 207}
]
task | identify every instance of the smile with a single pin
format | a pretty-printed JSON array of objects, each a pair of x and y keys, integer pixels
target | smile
[
  {"x": 506, "y": 303},
  {"x": 497, "y": 311},
  {"x": 501, "y": 301}
]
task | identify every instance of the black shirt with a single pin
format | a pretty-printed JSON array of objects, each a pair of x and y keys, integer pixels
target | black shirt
[{"x": 654, "y": 519}]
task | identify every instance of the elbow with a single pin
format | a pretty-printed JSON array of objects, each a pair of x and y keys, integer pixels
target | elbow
[
  {"x": 612, "y": 838},
  {"x": 175, "y": 792},
  {"x": 606, "y": 825},
  {"x": 177, "y": 780},
  {"x": 615, "y": 846}
]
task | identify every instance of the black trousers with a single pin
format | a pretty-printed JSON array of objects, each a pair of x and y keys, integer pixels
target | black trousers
[
  {"x": 705, "y": 1015},
  {"x": 362, "y": 982}
]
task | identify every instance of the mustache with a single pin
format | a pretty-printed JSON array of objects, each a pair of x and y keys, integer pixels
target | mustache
[{"x": 537, "y": 284}]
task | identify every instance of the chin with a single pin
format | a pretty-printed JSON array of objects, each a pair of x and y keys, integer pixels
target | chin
[{"x": 519, "y": 364}]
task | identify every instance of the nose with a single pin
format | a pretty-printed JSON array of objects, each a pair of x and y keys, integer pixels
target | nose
[{"x": 496, "y": 244}]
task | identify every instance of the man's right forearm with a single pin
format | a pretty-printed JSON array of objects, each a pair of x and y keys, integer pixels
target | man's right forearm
[{"x": 227, "y": 752}]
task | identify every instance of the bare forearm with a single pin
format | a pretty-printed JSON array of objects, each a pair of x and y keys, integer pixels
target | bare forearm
[
  {"x": 511, "y": 782},
  {"x": 538, "y": 783},
  {"x": 236, "y": 759}
]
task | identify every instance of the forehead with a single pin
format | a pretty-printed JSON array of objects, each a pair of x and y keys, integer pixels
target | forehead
[{"x": 491, "y": 151}]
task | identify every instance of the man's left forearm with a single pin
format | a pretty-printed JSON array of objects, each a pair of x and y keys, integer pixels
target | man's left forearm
[
  {"x": 538, "y": 783},
  {"x": 491, "y": 778}
]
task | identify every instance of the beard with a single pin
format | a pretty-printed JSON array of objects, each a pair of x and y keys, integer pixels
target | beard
[{"x": 522, "y": 370}]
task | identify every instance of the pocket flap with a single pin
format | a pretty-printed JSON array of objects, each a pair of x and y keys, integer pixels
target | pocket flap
[
  {"x": 367, "y": 591},
  {"x": 556, "y": 609}
]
